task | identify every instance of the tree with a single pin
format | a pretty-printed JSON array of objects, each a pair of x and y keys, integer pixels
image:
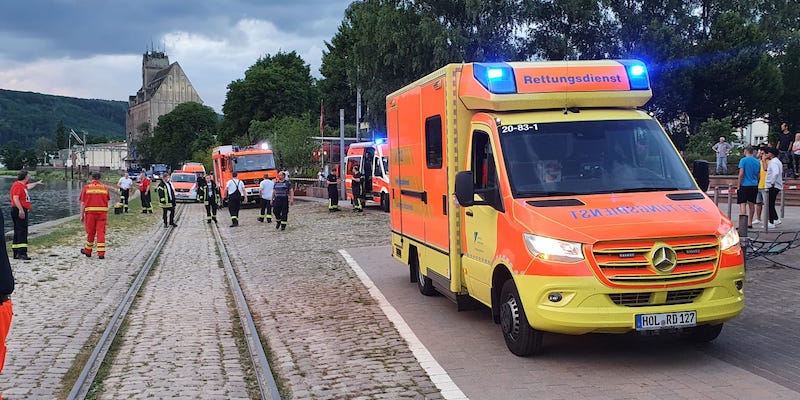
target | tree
[
  {"x": 734, "y": 75},
  {"x": 567, "y": 29},
  {"x": 61, "y": 136},
  {"x": 14, "y": 156},
  {"x": 710, "y": 132},
  {"x": 188, "y": 128},
  {"x": 290, "y": 138},
  {"x": 278, "y": 85}
]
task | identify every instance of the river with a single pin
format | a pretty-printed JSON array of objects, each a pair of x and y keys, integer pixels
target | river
[{"x": 53, "y": 200}]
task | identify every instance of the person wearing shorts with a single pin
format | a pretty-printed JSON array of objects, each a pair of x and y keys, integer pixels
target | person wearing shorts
[{"x": 749, "y": 168}]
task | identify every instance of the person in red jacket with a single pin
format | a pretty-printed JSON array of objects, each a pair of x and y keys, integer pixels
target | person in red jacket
[
  {"x": 144, "y": 193},
  {"x": 94, "y": 214},
  {"x": 20, "y": 212}
]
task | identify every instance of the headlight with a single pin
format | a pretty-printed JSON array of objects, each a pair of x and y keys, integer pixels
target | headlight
[
  {"x": 729, "y": 239},
  {"x": 546, "y": 248}
]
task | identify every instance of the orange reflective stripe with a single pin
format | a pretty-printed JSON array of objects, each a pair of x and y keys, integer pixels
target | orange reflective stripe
[
  {"x": 96, "y": 209},
  {"x": 96, "y": 191}
]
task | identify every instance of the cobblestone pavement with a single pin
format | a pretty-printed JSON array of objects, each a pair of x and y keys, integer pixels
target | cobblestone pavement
[
  {"x": 179, "y": 341},
  {"x": 61, "y": 299},
  {"x": 331, "y": 340}
]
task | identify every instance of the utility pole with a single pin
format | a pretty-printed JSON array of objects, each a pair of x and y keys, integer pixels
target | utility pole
[
  {"x": 358, "y": 114},
  {"x": 78, "y": 139},
  {"x": 342, "y": 162}
]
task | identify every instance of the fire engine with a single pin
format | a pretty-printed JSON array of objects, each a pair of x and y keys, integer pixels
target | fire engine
[
  {"x": 542, "y": 191},
  {"x": 372, "y": 159},
  {"x": 250, "y": 163}
]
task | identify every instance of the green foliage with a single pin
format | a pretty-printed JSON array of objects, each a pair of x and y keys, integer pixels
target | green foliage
[
  {"x": 61, "y": 136},
  {"x": 709, "y": 134},
  {"x": 189, "y": 128},
  {"x": 290, "y": 138},
  {"x": 278, "y": 85},
  {"x": 14, "y": 156},
  {"x": 25, "y": 116}
]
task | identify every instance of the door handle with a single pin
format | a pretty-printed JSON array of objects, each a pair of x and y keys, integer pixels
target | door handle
[{"x": 469, "y": 213}]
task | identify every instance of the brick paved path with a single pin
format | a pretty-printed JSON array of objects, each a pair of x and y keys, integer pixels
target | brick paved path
[{"x": 179, "y": 339}]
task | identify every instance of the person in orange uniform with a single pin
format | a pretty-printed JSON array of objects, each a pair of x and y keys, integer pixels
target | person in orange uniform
[
  {"x": 94, "y": 214},
  {"x": 6, "y": 288}
]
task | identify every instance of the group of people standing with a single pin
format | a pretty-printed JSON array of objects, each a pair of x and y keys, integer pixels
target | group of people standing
[{"x": 760, "y": 168}]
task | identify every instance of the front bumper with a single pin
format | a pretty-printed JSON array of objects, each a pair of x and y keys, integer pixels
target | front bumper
[{"x": 587, "y": 304}]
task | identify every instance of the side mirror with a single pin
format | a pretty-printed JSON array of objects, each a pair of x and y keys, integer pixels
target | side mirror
[
  {"x": 700, "y": 172},
  {"x": 465, "y": 188}
]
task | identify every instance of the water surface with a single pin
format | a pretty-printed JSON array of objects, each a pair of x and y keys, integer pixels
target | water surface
[{"x": 53, "y": 200}]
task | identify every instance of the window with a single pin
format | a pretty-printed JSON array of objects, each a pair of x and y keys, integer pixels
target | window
[
  {"x": 433, "y": 142},
  {"x": 483, "y": 168}
]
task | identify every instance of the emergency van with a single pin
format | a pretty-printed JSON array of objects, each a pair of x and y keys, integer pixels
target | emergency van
[
  {"x": 250, "y": 163},
  {"x": 372, "y": 159},
  {"x": 194, "y": 167},
  {"x": 541, "y": 191},
  {"x": 185, "y": 185}
]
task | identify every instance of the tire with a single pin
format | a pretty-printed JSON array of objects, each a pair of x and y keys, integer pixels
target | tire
[
  {"x": 424, "y": 283},
  {"x": 385, "y": 202},
  {"x": 521, "y": 339},
  {"x": 704, "y": 333}
]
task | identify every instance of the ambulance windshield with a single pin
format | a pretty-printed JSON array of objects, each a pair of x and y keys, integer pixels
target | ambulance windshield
[
  {"x": 591, "y": 157},
  {"x": 254, "y": 162}
]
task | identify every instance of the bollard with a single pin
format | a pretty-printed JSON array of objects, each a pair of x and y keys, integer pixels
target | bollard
[
  {"x": 765, "y": 209},
  {"x": 783, "y": 205},
  {"x": 716, "y": 196},
  {"x": 730, "y": 204},
  {"x": 744, "y": 241}
]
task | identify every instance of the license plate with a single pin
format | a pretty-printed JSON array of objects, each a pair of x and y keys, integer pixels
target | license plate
[{"x": 648, "y": 322}]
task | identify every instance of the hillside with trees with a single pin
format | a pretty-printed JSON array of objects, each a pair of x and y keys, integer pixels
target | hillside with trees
[{"x": 26, "y": 117}]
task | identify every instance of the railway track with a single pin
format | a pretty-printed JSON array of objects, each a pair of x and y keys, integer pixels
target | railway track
[{"x": 266, "y": 384}]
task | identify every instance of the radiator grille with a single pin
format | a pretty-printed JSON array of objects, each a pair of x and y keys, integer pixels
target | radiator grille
[{"x": 628, "y": 262}]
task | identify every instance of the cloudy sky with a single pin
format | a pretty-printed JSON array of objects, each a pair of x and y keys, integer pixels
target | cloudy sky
[{"x": 93, "y": 48}]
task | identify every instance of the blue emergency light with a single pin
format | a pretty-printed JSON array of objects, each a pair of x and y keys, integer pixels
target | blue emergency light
[
  {"x": 637, "y": 74},
  {"x": 495, "y": 77},
  {"x": 380, "y": 141}
]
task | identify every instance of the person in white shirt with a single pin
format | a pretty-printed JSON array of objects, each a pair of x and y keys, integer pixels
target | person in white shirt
[
  {"x": 265, "y": 191},
  {"x": 124, "y": 184},
  {"x": 236, "y": 195},
  {"x": 774, "y": 184}
]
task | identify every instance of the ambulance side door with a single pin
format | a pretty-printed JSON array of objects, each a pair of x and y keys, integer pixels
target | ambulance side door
[{"x": 480, "y": 221}]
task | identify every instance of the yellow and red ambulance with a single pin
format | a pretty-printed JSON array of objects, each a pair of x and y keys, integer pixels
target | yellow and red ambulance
[
  {"x": 372, "y": 158},
  {"x": 541, "y": 190}
]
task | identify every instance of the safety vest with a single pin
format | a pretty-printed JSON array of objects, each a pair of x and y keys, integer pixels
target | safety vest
[{"x": 94, "y": 197}]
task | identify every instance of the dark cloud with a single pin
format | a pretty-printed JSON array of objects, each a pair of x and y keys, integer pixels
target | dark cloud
[{"x": 34, "y": 29}]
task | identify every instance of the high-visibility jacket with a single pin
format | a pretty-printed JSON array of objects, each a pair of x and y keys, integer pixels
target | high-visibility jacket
[
  {"x": 163, "y": 196},
  {"x": 95, "y": 197},
  {"x": 206, "y": 195}
]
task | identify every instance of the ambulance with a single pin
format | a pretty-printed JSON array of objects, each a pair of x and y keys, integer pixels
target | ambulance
[
  {"x": 250, "y": 163},
  {"x": 372, "y": 158},
  {"x": 542, "y": 191}
]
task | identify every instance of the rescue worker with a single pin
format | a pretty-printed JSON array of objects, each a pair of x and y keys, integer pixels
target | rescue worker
[
  {"x": 333, "y": 192},
  {"x": 20, "y": 211},
  {"x": 358, "y": 190},
  {"x": 236, "y": 195},
  {"x": 6, "y": 288},
  {"x": 166, "y": 198},
  {"x": 207, "y": 193},
  {"x": 265, "y": 189},
  {"x": 144, "y": 193},
  {"x": 124, "y": 184},
  {"x": 282, "y": 198},
  {"x": 94, "y": 215}
]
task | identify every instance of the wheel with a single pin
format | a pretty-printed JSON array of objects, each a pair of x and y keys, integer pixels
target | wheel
[
  {"x": 704, "y": 333},
  {"x": 385, "y": 202},
  {"x": 521, "y": 338},
  {"x": 424, "y": 283}
]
